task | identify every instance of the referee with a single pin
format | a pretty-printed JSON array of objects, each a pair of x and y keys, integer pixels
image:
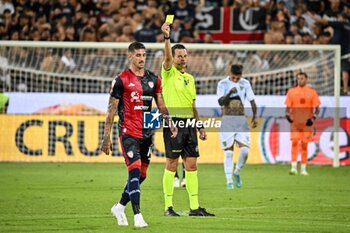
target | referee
[{"x": 179, "y": 93}]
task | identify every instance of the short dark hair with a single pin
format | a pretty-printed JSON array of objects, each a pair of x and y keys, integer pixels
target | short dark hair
[
  {"x": 177, "y": 46},
  {"x": 302, "y": 73},
  {"x": 236, "y": 69},
  {"x": 135, "y": 45}
]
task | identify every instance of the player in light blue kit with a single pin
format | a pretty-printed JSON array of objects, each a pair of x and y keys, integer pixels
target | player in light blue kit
[{"x": 232, "y": 93}]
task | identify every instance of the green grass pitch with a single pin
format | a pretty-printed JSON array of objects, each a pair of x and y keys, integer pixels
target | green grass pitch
[{"x": 77, "y": 197}]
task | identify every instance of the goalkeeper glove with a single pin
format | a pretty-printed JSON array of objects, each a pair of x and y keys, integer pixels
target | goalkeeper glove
[
  {"x": 289, "y": 119},
  {"x": 310, "y": 121}
]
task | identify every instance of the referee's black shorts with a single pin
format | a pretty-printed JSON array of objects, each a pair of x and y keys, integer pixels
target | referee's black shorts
[{"x": 185, "y": 144}]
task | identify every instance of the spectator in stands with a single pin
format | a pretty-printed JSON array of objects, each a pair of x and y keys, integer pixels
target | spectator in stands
[
  {"x": 88, "y": 34},
  {"x": 182, "y": 10},
  {"x": 6, "y": 5},
  {"x": 86, "y": 6},
  {"x": 334, "y": 10},
  {"x": 341, "y": 35},
  {"x": 14, "y": 35},
  {"x": 34, "y": 34},
  {"x": 289, "y": 37},
  {"x": 306, "y": 38},
  {"x": 68, "y": 61},
  {"x": 176, "y": 31},
  {"x": 150, "y": 10},
  {"x": 81, "y": 20},
  {"x": 41, "y": 22},
  {"x": 127, "y": 34},
  {"x": 105, "y": 37},
  {"x": 325, "y": 38},
  {"x": 65, "y": 8},
  {"x": 302, "y": 27},
  {"x": 50, "y": 61},
  {"x": 189, "y": 31},
  {"x": 146, "y": 33},
  {"x": 208, "y": 38},
  {"x": 70, "y": 33},
  {"x": 275, "y": 35},
  {"x": 136, "y": 22}
]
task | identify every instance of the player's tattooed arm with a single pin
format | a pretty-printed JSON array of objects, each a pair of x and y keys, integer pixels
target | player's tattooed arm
[
  {"x": 225, "y": 100},
  {"x": 112, "y": 108},
  {"x": 254, "y": 109}
]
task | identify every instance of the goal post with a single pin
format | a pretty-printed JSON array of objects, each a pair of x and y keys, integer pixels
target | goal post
[{"x": 85, "y": 67}]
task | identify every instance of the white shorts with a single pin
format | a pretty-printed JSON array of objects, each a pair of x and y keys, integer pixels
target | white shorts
[{"x": 234, "y": 129}]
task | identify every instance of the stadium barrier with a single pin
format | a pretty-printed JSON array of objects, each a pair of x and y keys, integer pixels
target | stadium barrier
[{"x": 47, "y": 138}]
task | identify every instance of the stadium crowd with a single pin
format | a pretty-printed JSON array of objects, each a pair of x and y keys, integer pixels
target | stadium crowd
[
  {"x": 286, "y": 22},
  {"x": 290, "y": 22}
]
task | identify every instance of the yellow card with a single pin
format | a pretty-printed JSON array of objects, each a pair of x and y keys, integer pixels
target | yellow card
[{"x": 169, "y": 19}]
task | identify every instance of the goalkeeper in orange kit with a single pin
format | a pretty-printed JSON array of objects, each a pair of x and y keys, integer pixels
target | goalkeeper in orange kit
[{"x": 302, "y": 104}]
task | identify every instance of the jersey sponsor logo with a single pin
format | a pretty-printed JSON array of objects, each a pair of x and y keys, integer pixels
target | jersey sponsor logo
[
  {"x": 130, "y": 154},
  {"x": 131, "y": 85},
  {"x": 135, "y": 96},
  {"x": 141, "y": 107},
  {"x": 151, "y": 84},
  {"x": 145, "y": 97}
]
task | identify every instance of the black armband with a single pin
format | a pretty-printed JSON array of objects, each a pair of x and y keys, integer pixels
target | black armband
[{"x": 166, "y": 38}]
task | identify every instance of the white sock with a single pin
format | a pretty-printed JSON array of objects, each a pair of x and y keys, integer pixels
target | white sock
[
  {"x": 242, "y": 159},
  {"x": 228, "y": 165},
  {"x": 294, "y": 165},
  {"x": 303, "y": 168},
  {"x": 120, "y": 207}
]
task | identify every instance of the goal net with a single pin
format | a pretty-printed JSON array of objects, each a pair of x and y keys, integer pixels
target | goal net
[{"x": 73, "y": 80}]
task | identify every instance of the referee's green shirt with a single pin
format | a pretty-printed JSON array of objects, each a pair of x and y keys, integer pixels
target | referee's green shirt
[{"x": 179, "y": 92}]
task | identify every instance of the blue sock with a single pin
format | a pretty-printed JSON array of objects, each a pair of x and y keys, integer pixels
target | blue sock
[
  {"x": 124, "y": 200},
  {"x": 134, "y": 189}
]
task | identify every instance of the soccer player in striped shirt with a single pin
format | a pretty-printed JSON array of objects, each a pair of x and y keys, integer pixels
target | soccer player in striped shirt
[{"x": 132, "y": 93}]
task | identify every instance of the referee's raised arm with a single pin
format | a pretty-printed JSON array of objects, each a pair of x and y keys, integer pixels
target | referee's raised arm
[{"x": 168, "y": 57}]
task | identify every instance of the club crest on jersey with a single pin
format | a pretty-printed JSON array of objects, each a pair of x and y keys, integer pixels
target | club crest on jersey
[
  {"x": 135, "y": 96},
  {"x": 130, "y": 154},
  {"x": 151, "y": 84}
]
